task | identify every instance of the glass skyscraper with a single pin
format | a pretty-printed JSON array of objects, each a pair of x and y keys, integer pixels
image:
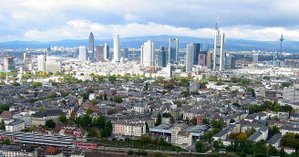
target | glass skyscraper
[{"x": 173, "y": 50}]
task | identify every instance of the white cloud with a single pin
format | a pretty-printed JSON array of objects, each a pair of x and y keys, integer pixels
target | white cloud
[
  {"x": 80, "y": 29},
  {"x": 61, "y": 19}
]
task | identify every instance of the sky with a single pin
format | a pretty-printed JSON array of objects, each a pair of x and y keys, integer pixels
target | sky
[{"x": 47, "y": 20}]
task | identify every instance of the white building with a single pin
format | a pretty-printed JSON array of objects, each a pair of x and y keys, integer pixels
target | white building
[
  {"x": 15, "y": 125},
  {"x": 116, "y": 49},
  {"x": 128, "y": 128},
  {"x": 16, "y": 151},
  {"x": 41, "y": 63},
  {"x": 82, "y": 53},
  {"x": 147, "y": 53},
  {"x": 219, "y": 54}
]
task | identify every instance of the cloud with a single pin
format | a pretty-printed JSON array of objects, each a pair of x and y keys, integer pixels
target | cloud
[
  {"x": 61, "y": 19},
  {"x": 81, "y": 28}
]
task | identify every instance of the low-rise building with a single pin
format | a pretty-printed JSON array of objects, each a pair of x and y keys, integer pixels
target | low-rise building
[
  {"x": 128, "y": 128},
  {"x": 15, "y": 125}
]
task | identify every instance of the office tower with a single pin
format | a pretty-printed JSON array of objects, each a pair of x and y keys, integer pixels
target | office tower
[
  {"x": 196, "y": 53},
  {"x": 230, "y": 61},
  {"x": 8, "y": 64},
  {"x": 255, "y": 58},
  {"x": 27, "y": 62},
  {"x": 162, "y": 57},
  {"x": 99, "y": 53},
  {"x": 173, "y": 50},
  {"x": 190, "y": 51},
  {"x": 106, "y": 52},
  {"x": 125, "y": 52},
  {"x": 91, "y": 54},
  {"x": 41, "y": 62},
  {"x": 210, "y": 60},
  {"x": 202, "y": 58},
  {"x": 147, "y": 53},
  {"x": 82, "y": 53},
  {"x": 219, "y": 54},
  {"x": 116, "y": 49}
]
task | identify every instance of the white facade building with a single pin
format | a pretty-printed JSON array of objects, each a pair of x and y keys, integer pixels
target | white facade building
[
  {"x": 15, "y": 125},
  {"x": 219, "y": 54},
  {"x": 291, "y": 94},
  {"x": 82, "y": 53},
  {"x": 41, "y": 63},
  {"x": 147, "y": 53},
  {"x": 116, "y": 49}
]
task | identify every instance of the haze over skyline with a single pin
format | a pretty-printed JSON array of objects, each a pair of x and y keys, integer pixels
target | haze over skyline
[{"x": 68, "y": 19}]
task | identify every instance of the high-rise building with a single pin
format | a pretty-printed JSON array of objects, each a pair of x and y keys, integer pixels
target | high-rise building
[
  {"x": 162, "y": 57},
  {"x": 196, "y": 53},
  {"x": 230, "y": 61},
  {"x": 291, "y": 94},
  {"x": 99, "y": 53},
  {"x": 202, "y": 58},
  {"x": 82, "y": 53},
  {"x": 8, "y": 64},
  {"x": 91, "y": 54},
  {"x": 125, "y": 52},
  {"x": 116, "y": 49},
  {"x": 41, "y": 62},
  {"x": 255, "y": 58},
  {"x": 190, "y": 51},
  {"x": 53, "y": 64},
  {"x": 27, "y": 62},
  {"x": 106, "y": 52},
  {"x": 173, "y": 50},
  {"x": 210, "y": 60},
  {"x": 219, "y": 54},
  {"x": 147, "y": 53}
]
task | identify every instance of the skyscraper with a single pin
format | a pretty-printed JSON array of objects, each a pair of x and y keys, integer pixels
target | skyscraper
[
  {"x": 147, "y": 53},
  {"x": 196, "y": 53},
  {"x": 202, "y": 58},
  {"x": 219, "y": 54},
  {"x": 8, "y": 64},
  {"x": 82, "y": 53},
  {"x": 230, "y": 61},
  {"x": 162, "y": 57},
  {"x": 91, "y": 54},
  {"x": 106, "y": 52},
  {"x": 27, "y": 62},
  {"x": 190, "y": 51},
  {"x": 116, "y": 49},
  {"x": 99, "y": 54},
  {"x": 41, "y": 63},
  {"x": 173, "y": 50}
]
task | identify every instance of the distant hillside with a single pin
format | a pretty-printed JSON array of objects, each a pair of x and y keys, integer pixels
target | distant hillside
[{"x": 135, "y": 42}]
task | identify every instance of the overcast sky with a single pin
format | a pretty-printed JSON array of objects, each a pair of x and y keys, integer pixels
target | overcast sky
[{"x": 74, "y": 19}]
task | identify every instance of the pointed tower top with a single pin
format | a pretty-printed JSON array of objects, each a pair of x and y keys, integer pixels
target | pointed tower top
[
  {"x": 216, "y": 26},
  {"x": 91, "y": 34},
  {"x": 281, "y": 38}
]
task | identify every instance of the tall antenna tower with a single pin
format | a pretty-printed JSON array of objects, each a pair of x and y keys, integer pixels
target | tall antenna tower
[{"x": 281, "y": 40}]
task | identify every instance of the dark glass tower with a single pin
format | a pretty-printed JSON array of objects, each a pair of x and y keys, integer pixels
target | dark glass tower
[
  {"x": 91, "y": 47},
  {"x": 173, "y": 50}
]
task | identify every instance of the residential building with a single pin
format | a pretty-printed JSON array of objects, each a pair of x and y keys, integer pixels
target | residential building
[
  {"x": 8, "y": 64},
  {"x": 17, "y": 151},
  {"x": 127, "y": 128},
  {"x": 15, "y": 125},
  {"x": 291, "y": 94}
]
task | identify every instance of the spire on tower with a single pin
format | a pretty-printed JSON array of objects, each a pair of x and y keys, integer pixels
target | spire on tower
[
  {"x": 216, "y": 26},
  {"x": 281, "y": 38}
]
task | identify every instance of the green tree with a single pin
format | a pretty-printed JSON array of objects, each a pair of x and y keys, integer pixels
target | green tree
[
  {"x": 36, "y": 84},
  {"x": 107, "y": 129},
  {"x": 112, "y": 78},
  {"x": 117, "y": 99},
  {"x": 50, "y": 124},
  {"x": 63, "y": 119},
  {"x": 93, "y": 132},
  {"x": 159, "y": 120},
  {"x": 200, "y": 147},
  {"x": 89, "y": 111}
]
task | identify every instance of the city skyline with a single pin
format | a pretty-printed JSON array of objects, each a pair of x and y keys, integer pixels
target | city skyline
[{"x": 57, "y": 20}]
